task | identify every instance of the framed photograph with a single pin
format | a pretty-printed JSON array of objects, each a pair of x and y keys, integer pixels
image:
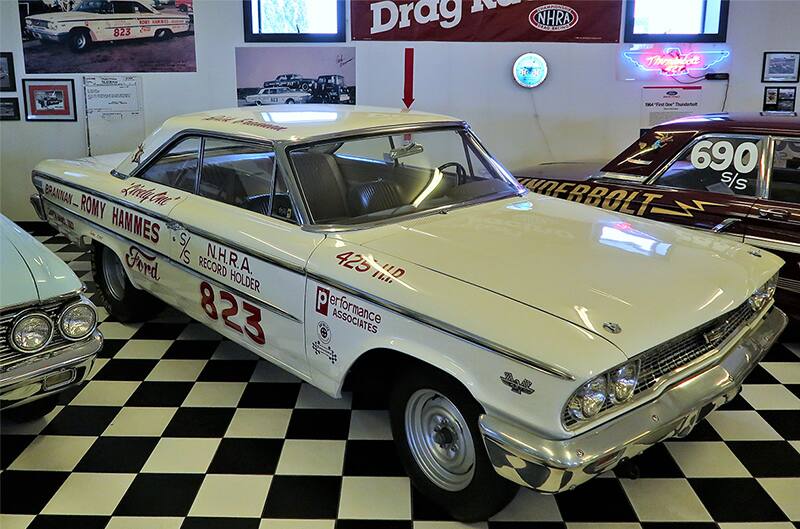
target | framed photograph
[
  {"x": 306, "y": 21},
  {"x": 652, "y": 21},
  {"x": 779, "y": 99},
  {"x": 781, "y": 67},
  {"x": 49, "y": 99},
  {"x": 8, "y": 81},
  {"x": 9, "y": 109}
]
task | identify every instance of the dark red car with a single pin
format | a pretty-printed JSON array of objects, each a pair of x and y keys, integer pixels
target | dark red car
[{"x": 734, "y": 174}]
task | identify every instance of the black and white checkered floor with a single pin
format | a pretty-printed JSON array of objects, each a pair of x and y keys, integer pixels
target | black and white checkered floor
[{"x": 178, "y": 428}]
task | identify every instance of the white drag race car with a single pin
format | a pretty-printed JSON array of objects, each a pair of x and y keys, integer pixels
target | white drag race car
[
  {"x": 105, "y": 20},
  {"x": 521, "y": 339},
  {"x": 278, "y": 96}
]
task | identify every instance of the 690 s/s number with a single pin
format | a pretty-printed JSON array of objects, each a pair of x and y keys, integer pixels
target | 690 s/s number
[{"x": 229, "y": 308}]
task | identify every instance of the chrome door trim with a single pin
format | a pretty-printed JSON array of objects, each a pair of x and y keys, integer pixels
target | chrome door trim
[{"x": 447, "y": 328}]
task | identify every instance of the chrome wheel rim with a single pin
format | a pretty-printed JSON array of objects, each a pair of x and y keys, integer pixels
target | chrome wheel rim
[
  {"x": 440, "y": 440},
  {"x": 113, "y": 274},
  {"x": 81, "y": 41}
]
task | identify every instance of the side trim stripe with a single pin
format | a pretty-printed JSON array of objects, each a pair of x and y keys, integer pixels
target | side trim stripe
[
  {"x": 265, "y": 304},
  {"x": 447, "y": 328},
  {"x": 489, "y": 345}
]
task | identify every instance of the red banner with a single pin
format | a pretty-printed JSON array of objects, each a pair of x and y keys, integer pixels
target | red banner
[{"x": 487, "y": 20}]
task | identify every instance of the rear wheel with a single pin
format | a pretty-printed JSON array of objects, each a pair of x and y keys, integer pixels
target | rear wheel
[
  {"x": 33, "y": 410},
  {"x": 117, "y": 294},
  {"x": 435, "y": 426},
  {"x": 290, "y": 101},
  {"x": 80, "y": 41},
  {"x": 163, "y": 34}
]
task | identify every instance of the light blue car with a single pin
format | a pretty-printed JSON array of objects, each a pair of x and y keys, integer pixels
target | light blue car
[{"x": 48, "y": 329}]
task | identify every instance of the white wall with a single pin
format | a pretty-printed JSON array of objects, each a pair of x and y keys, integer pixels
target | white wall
[{"x": 583, "y": 111}]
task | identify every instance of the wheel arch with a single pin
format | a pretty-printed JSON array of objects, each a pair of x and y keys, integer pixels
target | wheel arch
[{"x": 375, "y": 369}]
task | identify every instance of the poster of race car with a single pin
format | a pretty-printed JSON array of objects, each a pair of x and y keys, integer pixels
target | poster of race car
[
  {"x": 49, "y": 99},
  {"x": 295, "y": 75},
  {"x": 108, "y": 36}
]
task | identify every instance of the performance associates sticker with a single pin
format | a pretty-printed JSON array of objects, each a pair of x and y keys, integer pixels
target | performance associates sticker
[{"x": 346, "y": 310}]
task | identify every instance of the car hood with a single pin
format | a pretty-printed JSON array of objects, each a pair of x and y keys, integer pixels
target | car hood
[
  {"x": 29, "y": 272},
  {"x": 584, "y": 265}
]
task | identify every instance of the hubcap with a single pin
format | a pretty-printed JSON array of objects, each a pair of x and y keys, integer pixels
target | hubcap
[
  {"x": 81, "y": 41},
  {"x": 113, "y": 274},
  {"x": 440, "y": 440}
]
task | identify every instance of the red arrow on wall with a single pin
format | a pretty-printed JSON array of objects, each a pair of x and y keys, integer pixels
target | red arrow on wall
[{"x": 408, "y": 87}]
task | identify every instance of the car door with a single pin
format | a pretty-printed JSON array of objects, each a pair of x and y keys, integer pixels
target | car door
[
  {"x": 122, "y": 24},
  {"x": 774, "y": 223},
  {"x": 243, "y": 253},
  {"x": 712, "y": 184}
]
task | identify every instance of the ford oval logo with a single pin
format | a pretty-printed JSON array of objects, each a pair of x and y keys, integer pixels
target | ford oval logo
[
  {"x": 553, "y": 17},
  {"x": 672, "y": 93}
]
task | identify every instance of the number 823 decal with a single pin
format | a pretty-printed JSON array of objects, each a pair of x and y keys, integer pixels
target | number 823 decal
[{"x": 227, "y": 308}]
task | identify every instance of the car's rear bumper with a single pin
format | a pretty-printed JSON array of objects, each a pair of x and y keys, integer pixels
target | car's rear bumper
[
  {"x": 41, "y": 376},
  {"x": 551, "y": 466}
]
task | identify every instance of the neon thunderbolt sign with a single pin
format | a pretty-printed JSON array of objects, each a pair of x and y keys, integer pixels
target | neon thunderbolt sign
[{"x": 672, "y": 62}]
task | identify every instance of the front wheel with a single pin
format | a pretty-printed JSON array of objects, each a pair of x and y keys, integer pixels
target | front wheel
[
  {"x": 435, "y": 426},
  {"x": 117, "y": 294},
  {"x": 80, "y": 41},
  {"x": 290, "y": 101}
]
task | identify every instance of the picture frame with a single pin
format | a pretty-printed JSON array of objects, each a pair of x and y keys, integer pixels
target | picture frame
[
  {"x": 779, "y": 99},
  {"x": 253, "y": 24},
  {"x": 781, "y": 67},
  {"x": 9, "y": 109},
  {"x": 49, "y": 99},
  {"x": 8, "y": 80}
]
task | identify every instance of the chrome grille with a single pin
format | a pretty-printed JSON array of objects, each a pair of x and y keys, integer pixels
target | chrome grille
[
  {"x": 10, "y": 357},
  {"x": 667, "y": 358}
]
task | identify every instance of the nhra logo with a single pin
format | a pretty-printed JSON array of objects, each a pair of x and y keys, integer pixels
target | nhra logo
[
  {"x": 323, "y": 298},
  {"x": 553, "y": 17}
]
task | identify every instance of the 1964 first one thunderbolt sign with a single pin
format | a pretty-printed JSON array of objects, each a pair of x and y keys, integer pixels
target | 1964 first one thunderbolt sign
[{"x": 487, "y": 20}]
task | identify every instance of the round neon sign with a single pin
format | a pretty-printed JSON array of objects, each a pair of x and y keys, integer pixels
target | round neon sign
[{"x": 530, "y": 70}]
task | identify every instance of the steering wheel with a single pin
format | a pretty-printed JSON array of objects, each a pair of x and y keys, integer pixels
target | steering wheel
[{"x": 461, "y": 173}]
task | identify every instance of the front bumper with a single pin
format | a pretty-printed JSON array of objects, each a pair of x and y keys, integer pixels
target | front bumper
[
  {"x": 43, "y": 375},
  {"x": 43, "y": 33},
  {"x": 552, "y": 466}
]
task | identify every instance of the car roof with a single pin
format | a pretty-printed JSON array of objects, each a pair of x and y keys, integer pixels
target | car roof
[
  {"x": 293, "y": 123},
  {"x": 290, "y": 123},
  {"x": 735, "y": 122}
]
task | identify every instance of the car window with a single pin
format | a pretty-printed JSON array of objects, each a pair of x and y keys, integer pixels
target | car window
[
  {"x": 727, "y": 165},
  {"x": 380, "y": 177},
  {"x": 139, "y": 8},
  {"x": 785, "y": 180},
  {"x": 123, "y": 8},
  {"x": 237, "y": 173},
  {"x": 177, "y": 167}
]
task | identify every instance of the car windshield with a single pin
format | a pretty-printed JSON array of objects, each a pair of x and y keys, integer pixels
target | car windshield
[
  {"x": 376, "y": 178},
  {"x": 94, "y": 6}
]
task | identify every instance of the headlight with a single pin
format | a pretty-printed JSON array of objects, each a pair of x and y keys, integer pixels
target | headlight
[
  {"x": 31, "y": 332},
  {"x": 763, "y": 294},
  {"x": 77, "y": 321},
  {"x": 622, "y": 382},
  {"x": 52, "y": 25},
  {"x": 614, "y": 387},
  {"x": 589, "y": 400}
]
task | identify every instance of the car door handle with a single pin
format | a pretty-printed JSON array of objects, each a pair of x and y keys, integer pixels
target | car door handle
[
  {"x": 724, "y": 225},
  {"x": 174, "y": 225},
  {"x": 778, "y": 214}
]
